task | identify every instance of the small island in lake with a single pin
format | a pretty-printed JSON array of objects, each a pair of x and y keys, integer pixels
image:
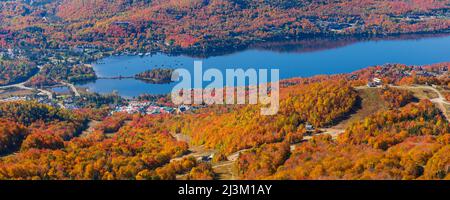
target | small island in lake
[{"x": 156, "y": 76}]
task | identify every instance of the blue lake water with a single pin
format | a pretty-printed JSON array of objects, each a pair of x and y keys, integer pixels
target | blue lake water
[
  {"x": 296, "y": 60},
  {"x": 61, "y": 90}
]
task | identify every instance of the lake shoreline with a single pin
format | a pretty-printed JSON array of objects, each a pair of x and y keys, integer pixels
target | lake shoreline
[
  {"x": 225, "y": 50},
  {"x": 293, "y": 60}
]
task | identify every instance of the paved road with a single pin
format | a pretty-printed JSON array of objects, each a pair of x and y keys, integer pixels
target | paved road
[
  {"x": 72, "y": 87},
  {"x": 49, "y": 94},
  {"x": 22, "y": 86},
  {"x": 19, "y": 85},
  {"x": 46, "y": 92}
]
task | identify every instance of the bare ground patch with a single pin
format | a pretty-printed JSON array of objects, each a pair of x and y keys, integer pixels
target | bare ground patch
[{"x": 369, "y": 103}]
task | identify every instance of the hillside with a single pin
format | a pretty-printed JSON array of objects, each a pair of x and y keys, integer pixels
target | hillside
[
  {"x": 204, "y": 25},
  {"x": 386, "y": 122},
  {"x": 406, "y": 138},
  {"x": 61, "y": 35}
]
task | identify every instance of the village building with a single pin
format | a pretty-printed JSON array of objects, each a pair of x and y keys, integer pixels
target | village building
[
  {"x": 376, "y": 82},
  {"x": 309, "y": 127}
]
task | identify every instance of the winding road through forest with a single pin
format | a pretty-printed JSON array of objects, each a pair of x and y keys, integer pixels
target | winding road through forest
[
  {"x": 440, "y": 101},
  {"x": 224, "y": 169},
  {"x": 22, "y": 86},
  {"x": 46, "y": 92}
]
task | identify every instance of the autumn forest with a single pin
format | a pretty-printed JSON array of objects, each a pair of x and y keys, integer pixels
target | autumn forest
[{"x": 382, "y": 122}]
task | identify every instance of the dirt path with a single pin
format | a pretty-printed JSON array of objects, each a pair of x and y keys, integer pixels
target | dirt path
[
  {"x": 225, "y": 170},
  {"x": 91, "y": 127},
  {"x": 198, "y": 152},
  {"x": 440, "y": 100},
  {"x": 334, "y": 132},
  {"x": 194, "y": 151}
]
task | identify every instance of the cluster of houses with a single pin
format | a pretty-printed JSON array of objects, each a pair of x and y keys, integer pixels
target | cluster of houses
[
  {"x": 418, "y": 17},
  {"x": 375, "y": 82},
  {"x": 87, "y": 48},
  {"x": 56, "y": 99},
  {"x": 65, "y": 99},
  {"x": 68, "y": 102},
  {"x": 335, "y": 25},
  {"x": 148, "y": 108},
  {"x": 9, "y": 53},
  {"x": 59, "y": 98},
  {"x": 38, "y": 97},
  {"x": 129, "y": 53},
  {"x": 14, "y": 98},
  {"x": 398, "y": 72}
]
